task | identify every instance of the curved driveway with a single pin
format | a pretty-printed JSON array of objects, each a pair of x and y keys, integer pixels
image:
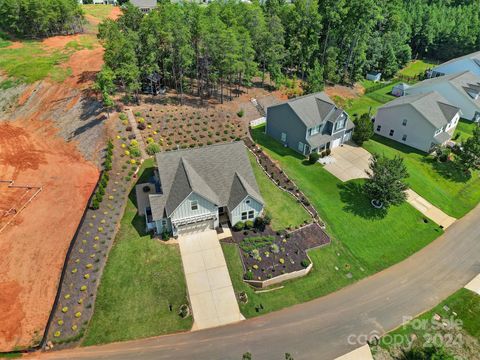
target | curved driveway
[{"x": 320, "y": 328}]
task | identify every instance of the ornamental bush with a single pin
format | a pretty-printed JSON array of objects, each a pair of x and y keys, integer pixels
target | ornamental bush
[
  {"x": 313, "y": 158},
  {"x": 152, "y": 149},
  {"x": 239, "y": 226},
  {"x": 248, "y": 224}
]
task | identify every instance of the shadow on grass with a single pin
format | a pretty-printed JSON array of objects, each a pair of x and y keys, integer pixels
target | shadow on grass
[
  {"x": 397, "y": 146},
  {"x": 264, "y": 140},
  {"x": 449, "y": 170},
  {"x": 353, "y": 196}
]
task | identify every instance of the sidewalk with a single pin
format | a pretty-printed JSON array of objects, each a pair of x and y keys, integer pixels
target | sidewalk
[
  {"x": 429, "y": 210},
  {"x": 362, "y": 353}
]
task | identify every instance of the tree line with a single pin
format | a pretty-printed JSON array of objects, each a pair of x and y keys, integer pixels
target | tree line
[
  {"x": 40, "y": 18},
  {"x": 214, "y": 49}
]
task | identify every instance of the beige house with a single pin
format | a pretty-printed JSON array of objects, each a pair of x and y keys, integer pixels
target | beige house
[{"x": 421, "y": 121}]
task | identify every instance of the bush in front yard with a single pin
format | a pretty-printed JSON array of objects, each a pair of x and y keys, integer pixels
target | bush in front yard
[
  {"x": 152, "y": 149},
  {"x": 249, "y": 224},
  {"x": 313, "y": 158},
  {"x": 239, "y": 226}
]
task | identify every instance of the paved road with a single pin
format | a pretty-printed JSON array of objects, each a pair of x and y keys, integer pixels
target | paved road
[{"x": 319, "y": 329}]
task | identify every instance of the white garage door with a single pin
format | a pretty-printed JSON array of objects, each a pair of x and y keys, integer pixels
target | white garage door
[
  {"x": 336, "y": 142},
  {"x": 195, "y": 227}
]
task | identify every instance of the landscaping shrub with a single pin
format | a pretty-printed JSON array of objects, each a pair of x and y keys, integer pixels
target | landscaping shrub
[
  {"x": 248, "y": 275},
  {"x": 328, "y": 152},
  {"x": 141, "y": 126},
  {"x": 313, "y": 158},
  {"x": 239, "y": 226},
  {"x": 305, "y": 263},
  {"x": 152, "y": 149},
  {"x": 259, "y": 223},
  {"x": 95, "y": 203},
  {"x": 256, "y": 242},
  {"x": 128, "y": 128},
  {"x": 135, "y": 151},
  {"x": 248, "y": 224},
  {"x": 122, "y": 116}
]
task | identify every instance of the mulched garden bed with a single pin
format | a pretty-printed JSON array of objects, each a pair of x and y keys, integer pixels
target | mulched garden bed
[
  {"x": 266, "y": 254},
  {"x": 279, "y": 177}
]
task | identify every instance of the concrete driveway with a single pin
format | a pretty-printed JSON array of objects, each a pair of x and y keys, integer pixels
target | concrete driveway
[
  {"x": 209, "y": 286},
  {"x": 348, "y": 162}
]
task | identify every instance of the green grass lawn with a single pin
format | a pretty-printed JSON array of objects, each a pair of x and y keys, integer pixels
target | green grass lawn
[
  {"x": 439, "y": 183},
  {"x": 465, "y": 303},
  {"x": 100, "y": 12},
  {"x": 464, "y": 129},
  {"x": 363, "y": 241},
  {"x": 416, "y": 67},
  {"x": 284, "y": 210},
  {"x": 141, "y": 278}
]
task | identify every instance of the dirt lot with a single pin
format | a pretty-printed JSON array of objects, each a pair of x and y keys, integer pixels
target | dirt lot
[
  {"x": 31, "y": 153},
  {"x": 47, "y": 130}
]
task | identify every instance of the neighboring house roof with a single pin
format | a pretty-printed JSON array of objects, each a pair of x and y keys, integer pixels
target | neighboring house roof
[
  {"x": 144, "y": 3},
  {"x": 314, "y": 109},
  {"x": 221, "y": 174},
  {"x": 442, "y": 137},
  {"x": 465, "y": 82},
  {"x": 470, "y": 62},
  {"x": 431, "y": 105}
]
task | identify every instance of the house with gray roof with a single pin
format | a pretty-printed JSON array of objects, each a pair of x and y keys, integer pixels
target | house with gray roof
[
  {"x": 460, "y": 89},
  {"x": 469, "y": 62},
  {"x": 145, "y": 6},
  {"x": 198, "y": 189},
  {"x": 310, "y": 123},
  {"x": 422, "y": 121}
]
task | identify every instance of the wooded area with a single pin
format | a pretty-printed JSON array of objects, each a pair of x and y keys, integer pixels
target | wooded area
[
  {"x": 200, "y": 49},
  {"x": 40, "y": 18}
]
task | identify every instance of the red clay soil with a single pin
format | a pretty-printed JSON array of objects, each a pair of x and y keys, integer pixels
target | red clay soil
[
  {"x": 345, "y": 92},
  {"x": 34, "y": 245}
]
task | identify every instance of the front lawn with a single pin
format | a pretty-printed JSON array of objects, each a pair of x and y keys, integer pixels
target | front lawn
[
  {"x": 439, "y": 183},
  {"x": 142, "y": 278},
  {"x": 377, "y": 241},
  {"x": 284, "y": 210}
]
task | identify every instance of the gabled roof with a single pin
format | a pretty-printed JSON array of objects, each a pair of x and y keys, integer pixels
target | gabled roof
[
  {"x": 401, "y": 86},
  {"x": 221, "y": 174},
  {"x": 431, "y": 106},
  {"x": 314, "y": 109},
  {"x": 240, "y": 190},
  {"x": 465, "y": 82},
  {"x": 469, "y": 62}
]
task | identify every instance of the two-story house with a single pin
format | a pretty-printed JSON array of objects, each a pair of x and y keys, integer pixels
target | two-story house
[
  {"x": 310, "y": 123},
  {"x": 198, "y": 189},
  {"x": 422, "y": 121}
]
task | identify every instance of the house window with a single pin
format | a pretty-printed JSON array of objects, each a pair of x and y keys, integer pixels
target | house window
[
  {"x": 283, "y": 137},
  {"x": 300, "y": 147},
  {"x": 247, "y": 201},
  {"x": 392, "y": 132},
  {"x": 194, "y": 205},
  {"x": 404, "y": 137},
  {"x": 251, "y": 214},
  {"x": 379, "y": 127},
  {"x": 164, "y": 222},
  {"x": 404, "y": 123},
  {"x": 313, "y": 131},
  {"x": 244, "y": 215}
]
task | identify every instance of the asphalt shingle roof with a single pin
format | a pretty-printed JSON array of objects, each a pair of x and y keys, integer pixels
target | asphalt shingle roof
[
  {"x": 315, "y": 109},
  {"x": 431, "y": 105},
  {"x": 220, "y": 173}
]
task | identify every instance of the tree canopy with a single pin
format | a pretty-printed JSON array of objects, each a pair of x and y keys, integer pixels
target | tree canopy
[
  {"x": 206, "y": 49},
  {"x": 34, "y": 18}
]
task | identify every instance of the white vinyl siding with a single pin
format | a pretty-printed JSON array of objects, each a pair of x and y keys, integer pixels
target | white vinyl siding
[
  {"x": 246, "y": 208},
  {"x": 184, "y": 210}
]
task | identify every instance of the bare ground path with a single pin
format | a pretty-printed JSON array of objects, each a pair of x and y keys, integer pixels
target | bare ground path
[{"x": 320, "y": 328}]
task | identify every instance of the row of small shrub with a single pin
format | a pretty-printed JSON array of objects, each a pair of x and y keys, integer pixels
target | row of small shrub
[
  {"x": 107, "y": 166},
  {"x": 258, "y": 223}
]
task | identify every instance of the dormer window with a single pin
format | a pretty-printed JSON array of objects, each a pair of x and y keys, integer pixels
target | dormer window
[{"x": 247, "y": 201}]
